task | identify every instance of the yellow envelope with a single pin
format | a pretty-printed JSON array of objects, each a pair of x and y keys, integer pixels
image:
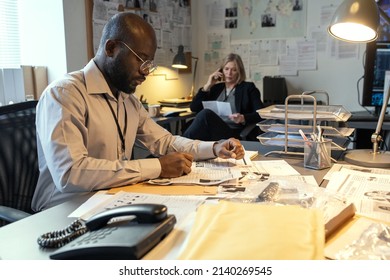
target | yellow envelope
[{"x": 242, "y": 231}]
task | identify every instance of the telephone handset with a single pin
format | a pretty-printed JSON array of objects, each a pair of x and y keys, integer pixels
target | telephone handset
[
  {"x": 144, "y": 213},
  {"x": 137, "y": 228},
  {"x": 221, "y": 79}
]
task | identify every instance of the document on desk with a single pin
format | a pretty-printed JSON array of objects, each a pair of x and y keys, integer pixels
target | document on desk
[
  {"x": 275, "y": 167},
  {"x": 368, "y": 191},
  {"x": 342, "y": 167},
  {"x": 205, "y": 173},
  {"x": 259, "y": 171},
  {"x": 218, "y": 107},
  {"x": 180, "y": 206}
]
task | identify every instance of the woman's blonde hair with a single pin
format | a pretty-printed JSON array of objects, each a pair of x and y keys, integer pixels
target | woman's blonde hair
[{"x": 232, "y": 57}]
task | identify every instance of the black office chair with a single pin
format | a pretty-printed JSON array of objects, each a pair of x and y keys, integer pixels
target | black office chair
[
  {"x": 250, "y": 132},
  {"x": 18, "y": 160}
]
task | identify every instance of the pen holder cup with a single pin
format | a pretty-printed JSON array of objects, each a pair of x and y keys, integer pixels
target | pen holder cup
[{"x": 317, "y": 154}]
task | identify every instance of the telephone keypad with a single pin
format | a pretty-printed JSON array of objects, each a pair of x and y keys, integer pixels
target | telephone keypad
[{"x": 94, "y": 236}]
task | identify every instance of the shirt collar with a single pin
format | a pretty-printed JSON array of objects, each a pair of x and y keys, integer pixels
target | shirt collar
[{"x": 94, "y": 80}]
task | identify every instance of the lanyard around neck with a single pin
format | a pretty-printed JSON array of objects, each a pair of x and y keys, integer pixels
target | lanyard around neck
[
  {"x": 121, "y": 135},
  {"x": 230, "y": 92}
]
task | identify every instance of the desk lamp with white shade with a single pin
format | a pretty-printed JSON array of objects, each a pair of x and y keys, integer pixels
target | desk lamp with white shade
[
  {"x": 180, "y": 62},
  {"x": 358, "y": 21}
]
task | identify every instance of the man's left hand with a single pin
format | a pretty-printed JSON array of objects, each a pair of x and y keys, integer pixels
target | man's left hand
[{"x": 230, "y": 148}]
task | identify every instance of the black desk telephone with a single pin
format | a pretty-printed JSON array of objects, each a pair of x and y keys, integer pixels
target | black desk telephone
[{"x": 124, "y": 238}]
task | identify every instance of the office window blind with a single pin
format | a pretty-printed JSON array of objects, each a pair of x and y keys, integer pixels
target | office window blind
[{"x": 9, "y": 34}]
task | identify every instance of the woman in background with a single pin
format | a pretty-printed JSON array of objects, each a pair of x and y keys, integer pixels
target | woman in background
[{"x": 227, "y": 84}]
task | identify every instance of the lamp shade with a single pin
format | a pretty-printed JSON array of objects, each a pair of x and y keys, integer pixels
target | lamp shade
[
  {"x": 355, "y": 21},
  {"x": 179, "y": 61}
]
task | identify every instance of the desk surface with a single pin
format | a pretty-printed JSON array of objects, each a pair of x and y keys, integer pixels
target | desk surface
[
  {"x": 366, "y": 116},
  {"x": 181, "y": 116},
  {"x": 19, "y": 240}
]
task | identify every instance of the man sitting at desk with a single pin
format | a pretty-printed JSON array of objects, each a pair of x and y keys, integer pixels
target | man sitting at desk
[{"x": 87, "y": 123}]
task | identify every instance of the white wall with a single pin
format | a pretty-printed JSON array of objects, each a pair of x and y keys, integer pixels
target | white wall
[
  {"x": 51, "y": 39},
  {"x": 75, "y": 34},
  {"x": 337, "y": 77}
]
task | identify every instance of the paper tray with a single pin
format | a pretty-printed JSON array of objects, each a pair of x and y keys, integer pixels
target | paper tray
[
  {"x": 307, "y": 129},
  {"x": 295, "y": 141},
  {"x": 335, "y": 113}
]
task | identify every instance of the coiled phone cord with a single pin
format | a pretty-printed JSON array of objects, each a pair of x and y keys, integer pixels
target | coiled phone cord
[{"x": 59, "y": 238}]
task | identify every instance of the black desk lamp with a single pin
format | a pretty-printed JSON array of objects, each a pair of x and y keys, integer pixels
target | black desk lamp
[
  {"x": 358, "y": 21},
  {"x": 180, "y": 62}
]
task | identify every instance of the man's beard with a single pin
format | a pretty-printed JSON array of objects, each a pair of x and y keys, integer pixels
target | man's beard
[{"x": 119, "y": 78}]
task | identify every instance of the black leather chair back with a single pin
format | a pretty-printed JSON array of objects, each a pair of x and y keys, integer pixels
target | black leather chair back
[{"x": 18, "y": 155}]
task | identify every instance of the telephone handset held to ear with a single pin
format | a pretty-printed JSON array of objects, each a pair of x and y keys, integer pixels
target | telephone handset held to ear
[
  {"x": 221, "y": 78},
  {"x": 137, "y": 228}
]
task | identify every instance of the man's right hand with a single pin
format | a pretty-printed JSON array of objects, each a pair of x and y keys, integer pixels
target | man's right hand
[{"x": 175, "y": 164}]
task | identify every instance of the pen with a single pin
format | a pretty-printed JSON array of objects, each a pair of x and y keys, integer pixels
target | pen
[
  {"x": 303, "y": 135},
  {"x": 320, "y": 131},
  {"x": 174, "y": 148}
]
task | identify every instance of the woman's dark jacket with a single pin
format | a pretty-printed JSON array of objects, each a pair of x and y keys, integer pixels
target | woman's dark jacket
[{"x": 247, "y": 100}]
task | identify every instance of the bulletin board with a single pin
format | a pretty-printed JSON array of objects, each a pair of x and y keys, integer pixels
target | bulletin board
[
  {"x": 171, "y": 20},
  {"x": 269, "y": 19}
]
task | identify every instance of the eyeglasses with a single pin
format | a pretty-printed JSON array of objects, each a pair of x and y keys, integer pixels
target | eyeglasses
[{"x": 147, "y": 66}]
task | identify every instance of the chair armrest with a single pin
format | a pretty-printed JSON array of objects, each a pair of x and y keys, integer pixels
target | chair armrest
[{"x": 11, "y": 214}]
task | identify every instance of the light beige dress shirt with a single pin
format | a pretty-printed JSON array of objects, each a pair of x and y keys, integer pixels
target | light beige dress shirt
[{"x": 79, "y": 146}]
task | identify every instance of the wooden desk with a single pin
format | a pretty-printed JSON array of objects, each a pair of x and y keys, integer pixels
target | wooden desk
[{"x": 19, "y": 240}]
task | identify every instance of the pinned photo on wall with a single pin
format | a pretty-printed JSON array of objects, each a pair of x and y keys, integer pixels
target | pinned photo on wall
[
  {"x": 132, "y": 4},
  {"x": 231, "y": 12},
  {"x": 231, "y": 23},
  {"x": 268, "y": 20},
  {"x": 152, "y": 5},
  {"x": 297, "y": 6}
]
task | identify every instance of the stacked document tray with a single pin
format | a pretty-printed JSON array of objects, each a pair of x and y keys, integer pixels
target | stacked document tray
[
  {"x": 283, "y": 124},
  {"x": 296, "y": 141},
  {"x": 335, "y": 113}
]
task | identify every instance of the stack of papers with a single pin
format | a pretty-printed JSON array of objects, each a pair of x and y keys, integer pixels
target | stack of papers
[
  {"x": 210, "y": 172},
  {"x": 175, "y": 102},
  {"x": 368, "y": 189}
]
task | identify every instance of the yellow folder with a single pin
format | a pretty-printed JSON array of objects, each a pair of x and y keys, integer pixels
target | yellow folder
[{"x": 244, "y": 231}]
